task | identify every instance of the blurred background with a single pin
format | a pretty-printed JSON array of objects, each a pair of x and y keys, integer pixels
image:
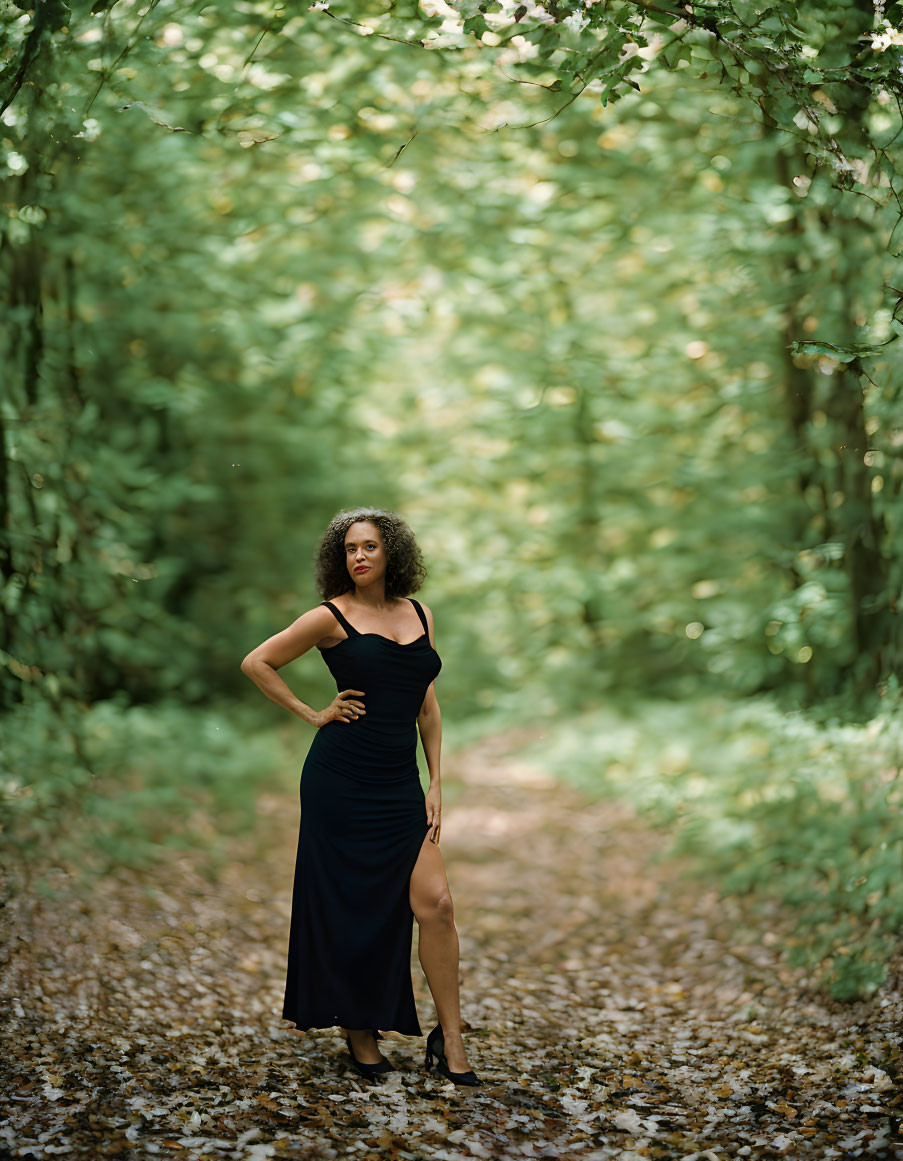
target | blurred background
[{"x": 620, "y": 353}]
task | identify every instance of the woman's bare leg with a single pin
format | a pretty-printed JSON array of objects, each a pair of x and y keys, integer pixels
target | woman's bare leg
[{"x": 438, "y": 947}]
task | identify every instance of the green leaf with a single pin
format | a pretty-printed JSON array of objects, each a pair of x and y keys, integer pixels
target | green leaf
[{"x": 476, "y": 25}]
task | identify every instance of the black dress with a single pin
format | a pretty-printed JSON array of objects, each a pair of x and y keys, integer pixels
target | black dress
[{"x": 363, "y": 822}]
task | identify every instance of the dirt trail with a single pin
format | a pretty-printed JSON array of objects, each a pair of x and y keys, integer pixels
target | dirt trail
[{"x": 616, "y": 1010}]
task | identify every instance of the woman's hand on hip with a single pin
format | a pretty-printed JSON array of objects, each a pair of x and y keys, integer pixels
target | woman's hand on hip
[
  {"x": 346, "y": 706},
  {"x": 434, "y": 813}
]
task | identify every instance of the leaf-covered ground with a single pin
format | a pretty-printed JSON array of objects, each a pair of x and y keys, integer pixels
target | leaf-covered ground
[{"x": 616, "y": 1010}]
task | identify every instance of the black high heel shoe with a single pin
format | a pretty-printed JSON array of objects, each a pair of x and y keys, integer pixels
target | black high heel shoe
[
  {"x": 368, "y": 1071},
  {"x": 435, "y": 1046}
]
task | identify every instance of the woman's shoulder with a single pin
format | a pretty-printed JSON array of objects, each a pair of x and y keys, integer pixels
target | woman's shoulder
[
  {"x": 323, "y": 616},
  {"x": 428, "y": 612}
]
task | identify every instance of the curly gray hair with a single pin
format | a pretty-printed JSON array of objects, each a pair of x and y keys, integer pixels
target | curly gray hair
[{"x": 405, "y": 570}]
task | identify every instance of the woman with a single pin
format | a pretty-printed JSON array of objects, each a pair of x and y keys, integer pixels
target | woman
[{"x": 368, "y": 851}]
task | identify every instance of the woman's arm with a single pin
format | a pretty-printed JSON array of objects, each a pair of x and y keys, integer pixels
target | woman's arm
[
  {"x": 429, "y": 722},
  {"x": 261, "y": 665}
]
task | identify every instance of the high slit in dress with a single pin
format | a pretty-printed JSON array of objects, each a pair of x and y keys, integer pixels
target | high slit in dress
[{"x": 363, "y": 822}]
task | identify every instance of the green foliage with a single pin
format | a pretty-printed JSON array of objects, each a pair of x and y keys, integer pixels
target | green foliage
[
  {"x": 619, "y": 313},
  {"x": 143, "y": 488},
  {"x": 123, "y": 786},
  {"x": 783, "y": 806}
]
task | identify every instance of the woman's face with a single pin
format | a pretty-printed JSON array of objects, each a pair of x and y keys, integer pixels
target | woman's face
[{"x": 365, "y": 554}]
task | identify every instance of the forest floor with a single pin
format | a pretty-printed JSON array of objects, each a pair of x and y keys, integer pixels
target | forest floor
[{"x": 616, "y": 1009}]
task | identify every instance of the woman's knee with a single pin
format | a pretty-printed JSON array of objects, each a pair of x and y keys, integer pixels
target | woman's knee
[{"x": 435, "y": 907}]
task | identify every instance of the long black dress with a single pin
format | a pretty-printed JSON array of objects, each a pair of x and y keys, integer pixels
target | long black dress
[{"x": 363, "y": 821}]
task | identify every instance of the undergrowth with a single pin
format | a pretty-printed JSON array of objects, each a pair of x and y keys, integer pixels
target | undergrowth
[
  {"x": 89, "y": 790},
  {"x": 780, "y": 806}
]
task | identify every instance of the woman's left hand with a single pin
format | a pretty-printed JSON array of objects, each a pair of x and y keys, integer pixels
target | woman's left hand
[{"x": 434, "y": 812}]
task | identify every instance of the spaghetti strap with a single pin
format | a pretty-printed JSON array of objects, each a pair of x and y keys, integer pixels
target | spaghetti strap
[
  {"x": 349, "y": 628},
  {"x": 420, "y": 614}
]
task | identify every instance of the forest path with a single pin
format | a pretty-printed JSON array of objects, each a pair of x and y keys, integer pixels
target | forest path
[{"x": 616, "y": 1010}]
